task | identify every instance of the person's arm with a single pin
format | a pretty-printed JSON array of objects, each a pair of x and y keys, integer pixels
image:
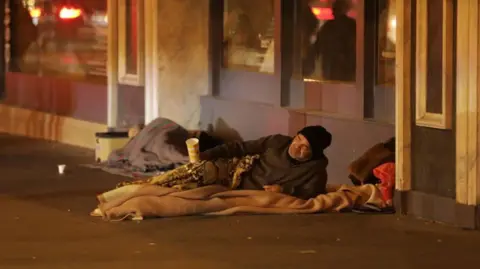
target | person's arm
[
  {"x": 240, "y": 149},
  {"x": 308, "y": 189}
]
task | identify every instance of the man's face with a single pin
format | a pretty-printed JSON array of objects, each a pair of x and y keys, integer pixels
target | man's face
[{"x": 300, "y": 149}]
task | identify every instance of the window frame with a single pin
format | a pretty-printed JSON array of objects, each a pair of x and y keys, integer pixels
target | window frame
[
  {"x": 239, "y": 84},
  {"x": 124, "y": 77},
  {"x": 379, "y": 98},
  {"x": 422, "y": 116},
  {"x": 286, "y": 89},
  {"x": 340, "y": 98}
]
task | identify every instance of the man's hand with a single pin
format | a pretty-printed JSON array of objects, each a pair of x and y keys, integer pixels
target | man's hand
[{"x": 273, "y": 188}]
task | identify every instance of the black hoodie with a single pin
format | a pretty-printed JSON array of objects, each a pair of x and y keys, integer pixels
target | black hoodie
[{"x": 275, "y": 167}]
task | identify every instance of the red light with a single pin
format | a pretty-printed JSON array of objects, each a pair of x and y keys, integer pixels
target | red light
[
  {"x": 68, "y": 60},
  {"x": 67, "y": 13},
  {"x": 35, "y": 12},
  {"x": 323, "y": 13}
]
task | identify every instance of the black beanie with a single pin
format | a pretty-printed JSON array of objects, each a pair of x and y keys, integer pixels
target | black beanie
[{"x": 319, "y": 139}]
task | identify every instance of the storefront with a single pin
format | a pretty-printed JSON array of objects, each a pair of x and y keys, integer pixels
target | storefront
[
  {"x": 365, "y": 69},
  {"x": 57, "y": 73},
  {"x": 280, "y": 65},
  {"x": 437, "y": 110}
]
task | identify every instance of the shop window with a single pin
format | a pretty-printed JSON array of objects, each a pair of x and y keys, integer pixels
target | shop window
[
  {"x": 248, "y": 40},
  {"x": 59, "y": 38},
  {"x": 325, "y": 40},
  {"x": 131, "y": 42},
  {"x": 379, "y": 76},
  {"x": 387, "y": 23}
]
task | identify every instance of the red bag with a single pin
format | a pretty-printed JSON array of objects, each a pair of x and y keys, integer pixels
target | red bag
[{"x": 386, "y": 174}]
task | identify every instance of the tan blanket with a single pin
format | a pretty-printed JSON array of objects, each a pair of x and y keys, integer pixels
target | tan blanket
[{"x": 138, "y": 201}]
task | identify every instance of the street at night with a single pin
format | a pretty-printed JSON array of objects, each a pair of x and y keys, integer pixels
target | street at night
[{"x": 46, "y": 224}]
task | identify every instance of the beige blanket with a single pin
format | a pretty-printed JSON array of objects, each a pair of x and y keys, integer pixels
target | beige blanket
[{"x": 138, "y": 201}]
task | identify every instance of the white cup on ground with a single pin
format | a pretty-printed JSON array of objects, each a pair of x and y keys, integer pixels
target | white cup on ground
[
  {"x": 193, "y": 150},
  {"x": 61, "y": 169}
]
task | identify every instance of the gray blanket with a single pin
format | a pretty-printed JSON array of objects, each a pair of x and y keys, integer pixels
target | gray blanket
[{"x": 160, "y": 146}]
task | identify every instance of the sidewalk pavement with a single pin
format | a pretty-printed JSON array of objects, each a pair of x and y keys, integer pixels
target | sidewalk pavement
[{"x": 45, "y": 224}]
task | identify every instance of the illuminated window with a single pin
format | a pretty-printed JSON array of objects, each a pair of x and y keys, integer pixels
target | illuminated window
[
  {"x": 386, "y": 43},
  {"x": 326, "y": 40},
  {"x": 248, "y": 35},
  {"x": 60, "y": 38}
]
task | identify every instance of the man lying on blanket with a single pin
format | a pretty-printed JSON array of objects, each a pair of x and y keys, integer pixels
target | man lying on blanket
[
  {"x": 294, "y": 166},
  {"x": 277, "y": 163}
]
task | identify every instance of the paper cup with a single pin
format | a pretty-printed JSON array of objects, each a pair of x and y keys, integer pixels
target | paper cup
[
  {"x": 61, "y": 169},
  {"x": 193, "y": 149}
]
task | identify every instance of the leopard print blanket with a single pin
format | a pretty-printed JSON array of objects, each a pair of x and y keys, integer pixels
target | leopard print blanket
[{"x": 225, "y": 172}]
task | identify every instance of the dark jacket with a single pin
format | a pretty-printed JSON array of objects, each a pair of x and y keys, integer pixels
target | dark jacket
[{"x": 304, "y": 180}]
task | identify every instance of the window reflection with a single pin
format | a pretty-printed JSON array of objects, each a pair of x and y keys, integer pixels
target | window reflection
[
  {"x": 60, "y": 38},
  {"x": 328, "y": 39},
  {"x": 248, "y": 35},
  {"x": 386, "y": 43}
]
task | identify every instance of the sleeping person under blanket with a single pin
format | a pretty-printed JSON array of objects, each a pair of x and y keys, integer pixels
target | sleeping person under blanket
[
  {"x": 158, "y": 146},
  {"x": 291, "y": 165}
]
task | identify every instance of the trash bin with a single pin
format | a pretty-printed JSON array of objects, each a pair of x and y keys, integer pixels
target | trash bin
[{"x": 107, "y": 142}]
